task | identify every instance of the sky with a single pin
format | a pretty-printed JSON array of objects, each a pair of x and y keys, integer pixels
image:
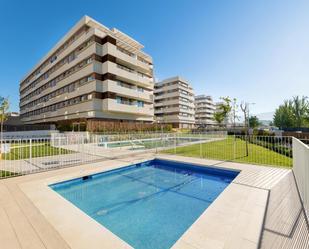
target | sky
[{"x": 256, "y": 51}]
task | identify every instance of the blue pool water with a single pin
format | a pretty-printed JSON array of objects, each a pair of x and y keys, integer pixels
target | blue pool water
[{"x": 148, "y": 205}]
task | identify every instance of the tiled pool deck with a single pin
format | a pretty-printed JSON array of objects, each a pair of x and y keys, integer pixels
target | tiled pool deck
[{"x": 259, "y": 209}]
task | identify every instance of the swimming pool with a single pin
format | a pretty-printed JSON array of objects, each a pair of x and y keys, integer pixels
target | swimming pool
[
  {"x": 151, "y": 143},
  {"x": 151, "y": 204}
]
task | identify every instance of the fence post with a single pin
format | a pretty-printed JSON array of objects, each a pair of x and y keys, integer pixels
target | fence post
[
  {"x": 200, "y": 145},
  {"x": 234, "y": 149},
  {"x": 175, "y": 143},
  {"x": 156, "y": 141},
  {"x": 30, "y": 151}
]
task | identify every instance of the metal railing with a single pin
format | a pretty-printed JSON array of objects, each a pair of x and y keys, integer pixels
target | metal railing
[
  {"x": 261, "y": 150},
  {"x": 25, "y": 156}
]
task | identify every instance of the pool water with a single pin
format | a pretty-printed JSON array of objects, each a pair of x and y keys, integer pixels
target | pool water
[
  {"x": 148, "y": 205},
  {"x": 151, "y": 142}
]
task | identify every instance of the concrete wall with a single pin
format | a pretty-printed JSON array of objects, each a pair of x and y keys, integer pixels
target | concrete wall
[{"x": 301, "y": 169}]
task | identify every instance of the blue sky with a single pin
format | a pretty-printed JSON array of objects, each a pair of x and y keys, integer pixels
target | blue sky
[{"x": 256, "y": 51}]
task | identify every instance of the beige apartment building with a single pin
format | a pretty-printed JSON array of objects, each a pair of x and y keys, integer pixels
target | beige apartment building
[
  {"x": 174, "y": 103},
  {"x": 92, "y": 73},
  {"x": 204, "y": 110}
]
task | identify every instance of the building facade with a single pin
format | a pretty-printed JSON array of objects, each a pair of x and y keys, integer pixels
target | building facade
[
  {"x": 174, "y": 103},
  {"x": 93, "y": 73},
  {"x": 204, "y": 111}
]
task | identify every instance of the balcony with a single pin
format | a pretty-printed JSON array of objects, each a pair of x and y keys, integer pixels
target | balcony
[
  {"x": 167, "y": 95},
  {"x": 127, "y": 75},
  {"x": 83, "y": 55},
  {"x": 209, "y": 116},
  {"x": 125, "y": 57},
  {"x": 62, "y": 112},
  {"x": 66, "y": 52},
  {"x": 205, "y": 106},
  {"x": 113, "y": 86},
  {"x": 111, "y": 105},
  {"x": 88, "y": 69},
  {"x": 174, "y": 94}
]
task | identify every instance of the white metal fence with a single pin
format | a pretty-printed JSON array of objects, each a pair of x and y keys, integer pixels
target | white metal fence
[
  {"x": 301, "y": 170},
  {"x": 24, "y": 156},
  {"x": 262, "y": 150}
]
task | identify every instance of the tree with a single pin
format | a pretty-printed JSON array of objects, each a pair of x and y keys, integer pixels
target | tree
[
  {"x": 234, "y": 111},
  {"x": 283, "y": 117},
  {"x": 300, "y": 110},
  {"x": 294, "y": 113},
  {"x": 254, "y": 121},
  {"x": 4, "y": 106},
  {"x": 245, "y": 109},
  {"x": 219, "y": 117},
  {"x": 224, "y": 108}
]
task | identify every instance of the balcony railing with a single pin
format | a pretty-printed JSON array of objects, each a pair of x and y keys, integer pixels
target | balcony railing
[
  {"x": 134, "y": 72},
  {"x": 126, "y": 52},
  {"x": 133, "y": 55}
]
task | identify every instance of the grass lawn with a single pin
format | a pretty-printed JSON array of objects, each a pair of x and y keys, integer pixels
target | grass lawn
[
  {"x": 22, "y": 151},
  {"x": 7, "y": 173},
  {"x": 230, "y": 150}
]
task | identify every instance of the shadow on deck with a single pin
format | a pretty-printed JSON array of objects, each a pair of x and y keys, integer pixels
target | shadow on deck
[{"x": 285, "y": 224}]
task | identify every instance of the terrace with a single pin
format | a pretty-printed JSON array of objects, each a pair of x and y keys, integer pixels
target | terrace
[{"x": 263, "y": 207}]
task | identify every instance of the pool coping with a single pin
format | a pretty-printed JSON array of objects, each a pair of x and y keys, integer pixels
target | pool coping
[{"x": 226, "y": 223}]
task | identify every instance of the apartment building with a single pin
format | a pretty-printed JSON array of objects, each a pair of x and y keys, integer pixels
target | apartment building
[
  {"x": 204, "y": 110},
  {"x": 174, "y": 102},
  {"x": 92, "y": 73}
]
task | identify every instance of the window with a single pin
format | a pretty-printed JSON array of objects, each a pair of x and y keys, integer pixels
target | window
[
  {"x": 53, "y": 83},
  {"x": 140, "y": 103},
  {"x": 89, "y": 60},
  {"x": 123, "y": 84},
  {"x": 71, "y": 88},
  {"x": 80, "y": 48},
  {"x": 52, "y": 59},
  {"x": 82, "y": 81},
  {"x": 71, "y": 57},
  {"x": 118, "y": 99},
  {"x": 140, "y": 89}
]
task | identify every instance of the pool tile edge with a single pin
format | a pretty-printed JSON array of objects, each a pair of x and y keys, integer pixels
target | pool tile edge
[
  {"x": 61, "y": 214},
  {"x": 233, "y": 221},
  {"x": 30, "y": 189}
]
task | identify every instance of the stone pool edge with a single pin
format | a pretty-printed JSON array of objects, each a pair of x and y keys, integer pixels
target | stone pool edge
[{"x": 221, "y": 225}]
